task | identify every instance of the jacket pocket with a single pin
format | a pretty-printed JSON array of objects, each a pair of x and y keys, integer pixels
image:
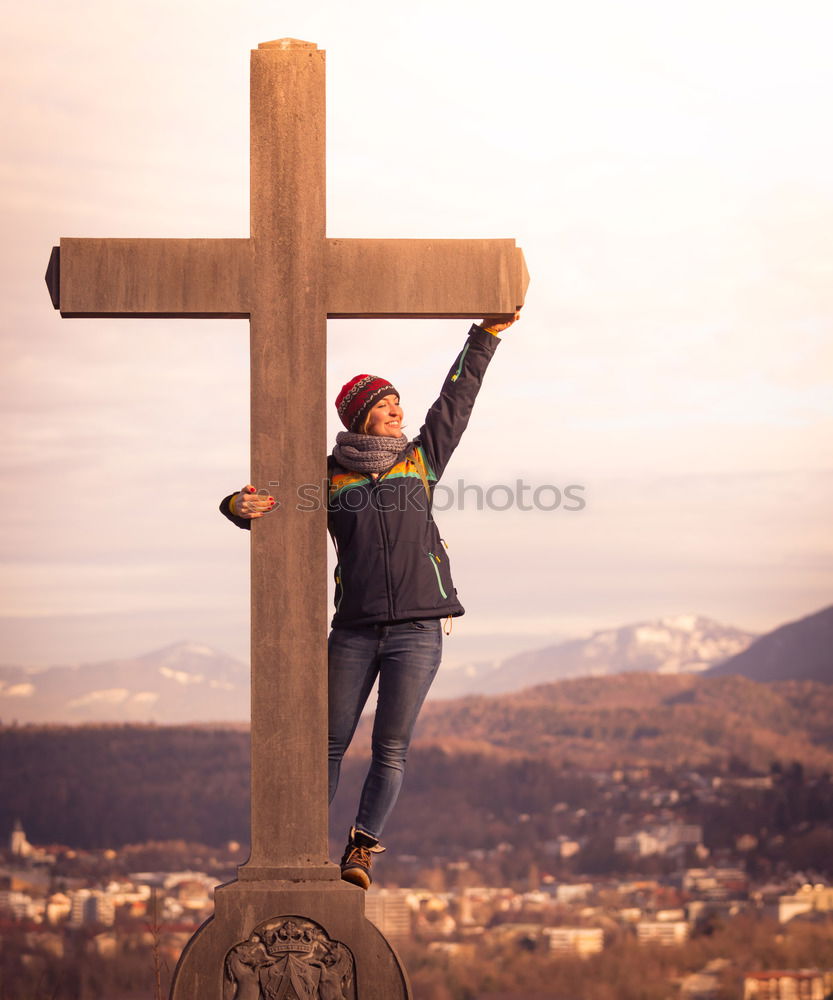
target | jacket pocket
[{"x": 435, "y": 560}]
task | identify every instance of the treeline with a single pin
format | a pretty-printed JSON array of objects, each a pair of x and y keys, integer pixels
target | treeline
[
  {"x": 646, "y": 719},
  {"x": 106, "y": 786},
  {"x": 100, "y": 787}
]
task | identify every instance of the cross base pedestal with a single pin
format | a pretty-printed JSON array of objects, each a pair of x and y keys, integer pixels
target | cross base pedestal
[{"x": 308, "y": 939}]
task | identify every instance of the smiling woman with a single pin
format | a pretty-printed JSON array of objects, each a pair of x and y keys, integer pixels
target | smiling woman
[
  {"x": 393, "y": 580},
  {"x": 385, "y": 417}
]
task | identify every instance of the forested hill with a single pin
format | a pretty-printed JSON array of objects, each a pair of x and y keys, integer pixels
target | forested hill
[
  {"x": 644, "y": 719},
  {"x": 800, "y": 650}
]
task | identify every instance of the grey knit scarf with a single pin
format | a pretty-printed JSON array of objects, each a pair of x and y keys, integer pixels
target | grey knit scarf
[{"x": 367, "y": 452}]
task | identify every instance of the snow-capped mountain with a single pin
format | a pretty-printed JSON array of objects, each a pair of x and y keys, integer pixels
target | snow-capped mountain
[
  {"x": 185, "y": 682},
  {"x": 679, "y": 644}
]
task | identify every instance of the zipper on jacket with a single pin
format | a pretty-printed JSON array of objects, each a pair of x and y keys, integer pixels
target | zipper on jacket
[
  {"x": 340, "y": 585},
  {"x": 456, "y": 375},
  {"x": 434, "y": 560},
  {"x": 385, "y": 551}
]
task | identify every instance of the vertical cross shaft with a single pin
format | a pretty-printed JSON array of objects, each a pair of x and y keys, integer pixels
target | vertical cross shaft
[{"x": 288, "y": 435}]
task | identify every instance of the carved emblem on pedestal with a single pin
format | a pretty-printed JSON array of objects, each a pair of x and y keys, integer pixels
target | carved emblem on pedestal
[{"x": 289, "y": 958}]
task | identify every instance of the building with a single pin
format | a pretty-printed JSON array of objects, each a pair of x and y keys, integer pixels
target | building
[
  {"x": 91, "y": 906},
  {"x": 581, "y": 941},
  {"x": 698, "y": 910},
  {"x": 18, "y": 844},
  {"x": 705, "y": 984},
  {"x": 642, "y": 844},
  {"x": 19, "y": 905},
  {"x": 716, "y": 883},
  {"x": 792, "y": 905},
  {"x": 665, "y": 932},
  {"x": 390, "y": 911},
  {"x": 802, "y": 984},
  {"x": 573, "y": 892},
  {"x": 563, "y": 847},
  {"x": 808, "y": 899},
  {"x": 660, "y": 839},
  {"x": 58, "y": 907}
]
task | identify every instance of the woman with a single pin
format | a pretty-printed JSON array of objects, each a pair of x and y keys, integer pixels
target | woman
[{"x": 393, "y": 584}]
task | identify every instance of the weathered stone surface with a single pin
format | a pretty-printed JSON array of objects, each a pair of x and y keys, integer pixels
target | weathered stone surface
[
  {"x": 289, "y": 447},
  {"x": 155, "y": 278},
  {"x": 241, "y": 911},
  {"x": 430, "y": 278}
]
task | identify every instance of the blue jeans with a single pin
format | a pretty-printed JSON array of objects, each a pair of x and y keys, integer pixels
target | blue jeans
[{"x": 405, "y": 657}]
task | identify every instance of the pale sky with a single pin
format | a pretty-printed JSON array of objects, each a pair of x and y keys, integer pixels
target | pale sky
[{"x": 667, "y": 169}]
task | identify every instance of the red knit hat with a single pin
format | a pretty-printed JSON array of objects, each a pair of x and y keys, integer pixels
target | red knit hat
[{"x": 358, "y": 396}]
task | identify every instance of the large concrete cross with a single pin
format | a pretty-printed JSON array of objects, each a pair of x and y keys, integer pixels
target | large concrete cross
[{"x": 287, "y": 278}]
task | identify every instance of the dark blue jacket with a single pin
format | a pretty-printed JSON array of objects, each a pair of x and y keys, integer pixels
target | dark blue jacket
[{"x": 392, "y": 563}]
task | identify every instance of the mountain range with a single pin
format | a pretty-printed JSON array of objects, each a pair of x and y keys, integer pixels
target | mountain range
[
  {"x": 185, "y": 682},
  {"x": 675, "y": 645},
  {"x": 189, "y": 682}
]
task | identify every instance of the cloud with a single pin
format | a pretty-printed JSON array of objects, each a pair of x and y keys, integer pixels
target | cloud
[
  {"x": 17, "y": 691},
  {"x": 181, "y": 676},
  {"x": 109, "y": 696}
]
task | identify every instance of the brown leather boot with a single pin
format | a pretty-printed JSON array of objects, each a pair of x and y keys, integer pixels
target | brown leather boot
[{"x": 356, "y": 861}]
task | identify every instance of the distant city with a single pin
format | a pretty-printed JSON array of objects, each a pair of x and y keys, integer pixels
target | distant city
[{"x": 86, "y": 917}]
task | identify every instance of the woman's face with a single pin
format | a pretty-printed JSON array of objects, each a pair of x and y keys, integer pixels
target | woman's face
[{"x": 385, "y": 419}]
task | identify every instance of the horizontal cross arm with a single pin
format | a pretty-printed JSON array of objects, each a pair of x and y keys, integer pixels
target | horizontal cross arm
[
  {"x": 152, "y": 278},
  {"x": 436, "y": 279}
]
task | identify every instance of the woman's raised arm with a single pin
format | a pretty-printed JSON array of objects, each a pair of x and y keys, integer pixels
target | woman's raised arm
[{"x": 449, "y": 416}]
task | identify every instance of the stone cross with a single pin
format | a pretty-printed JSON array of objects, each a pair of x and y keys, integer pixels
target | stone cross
[{"x": 287, "y": 278}]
